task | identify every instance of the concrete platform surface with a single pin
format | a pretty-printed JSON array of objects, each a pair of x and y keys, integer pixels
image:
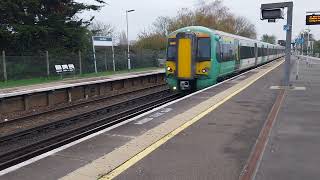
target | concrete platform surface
[
  {"x": 217, "y": 146},
  {"x": 226, "y": 120},
  {"x": 15, "y": 91},
  {"x": 294, "y": 144}
]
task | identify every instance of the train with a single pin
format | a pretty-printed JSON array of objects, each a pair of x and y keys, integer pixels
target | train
[{"x": 198, "y": 57}]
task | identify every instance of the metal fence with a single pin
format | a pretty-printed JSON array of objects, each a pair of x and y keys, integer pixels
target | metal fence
[{"x": 25, "y": 67}]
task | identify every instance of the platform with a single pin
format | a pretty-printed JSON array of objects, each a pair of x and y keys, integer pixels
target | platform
[
  {"x": 211, "y": 134},
  {"x": 21, "y": 90},
  {"x": 34, "y": 99},
  {"x": 293, "y": 147}
]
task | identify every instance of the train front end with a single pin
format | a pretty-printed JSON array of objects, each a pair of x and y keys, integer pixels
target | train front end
[{"x": 188, "y": 62}]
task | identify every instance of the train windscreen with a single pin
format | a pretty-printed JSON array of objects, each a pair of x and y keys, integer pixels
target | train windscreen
[
  {"x": 172, "y": 50},
  {"x": 204, "y": 49}
]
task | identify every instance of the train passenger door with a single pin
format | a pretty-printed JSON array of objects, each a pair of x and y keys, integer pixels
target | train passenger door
[
  {"x": 237, "y": 54},
  {"x": 262, "y": 54},
  {"x": 267, "y": 55},
  {"x": 255, "y": 54}
]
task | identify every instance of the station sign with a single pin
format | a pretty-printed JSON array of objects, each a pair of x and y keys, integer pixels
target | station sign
[
  {"x": 313, "y": 19},
  {"x": 286, "y": 27},
  {"x": 102, "y": 41}
]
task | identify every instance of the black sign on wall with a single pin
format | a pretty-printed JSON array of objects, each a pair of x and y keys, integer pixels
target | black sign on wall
[{"x": 313, "y": 19}]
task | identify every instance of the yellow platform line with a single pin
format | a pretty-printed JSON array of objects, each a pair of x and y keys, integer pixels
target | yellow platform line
[{"x": 114, "y": 173}]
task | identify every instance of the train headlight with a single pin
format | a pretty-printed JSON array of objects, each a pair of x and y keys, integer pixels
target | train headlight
[
  {"x": 169, "y": 69},
  {"x": 174, "y": 88},
  {"x": 204, "y": 70}
]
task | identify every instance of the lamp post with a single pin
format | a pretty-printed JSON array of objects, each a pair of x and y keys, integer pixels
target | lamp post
[
  {"x": 129, "y": 63},
  {"x": 302, "y": 44}
]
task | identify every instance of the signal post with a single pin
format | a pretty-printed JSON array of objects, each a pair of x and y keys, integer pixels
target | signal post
[{"x": 274, "y": 11}]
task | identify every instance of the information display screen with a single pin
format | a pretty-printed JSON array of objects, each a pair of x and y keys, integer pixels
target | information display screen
[
  {"x": 313, "y": 19},
  {"x": 272, "y": 14}
]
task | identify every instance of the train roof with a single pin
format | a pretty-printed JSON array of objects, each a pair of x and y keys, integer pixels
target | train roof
[{"x": 221, "y": 33}]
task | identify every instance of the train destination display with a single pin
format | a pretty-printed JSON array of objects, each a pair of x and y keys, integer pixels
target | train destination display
[{"x": 313, "y": 19}]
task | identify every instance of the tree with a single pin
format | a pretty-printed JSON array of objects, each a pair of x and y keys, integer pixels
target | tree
[
  {"x": 213, "y": 15},
  {"x": 123, "y": 38},
  {"x": 244, "y": 28},
  {"x": 36, "y": 25},
  {"x": 100, "y": 29},
  {"x": 316, "y": 47},
  {"x": 153, "y": 41},
  {"x": 269, "y": 38}
]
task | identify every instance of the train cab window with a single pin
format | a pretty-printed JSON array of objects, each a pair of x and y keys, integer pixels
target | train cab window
[
  {"x": 171, "y": 50},
  {"x": 204, "y": 49}
]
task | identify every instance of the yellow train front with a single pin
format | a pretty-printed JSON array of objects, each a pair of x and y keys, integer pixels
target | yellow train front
[{"x": 197, "y": 56}]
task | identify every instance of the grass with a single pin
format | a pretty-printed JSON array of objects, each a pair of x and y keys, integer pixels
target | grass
[{"x": 41, "y": 80}]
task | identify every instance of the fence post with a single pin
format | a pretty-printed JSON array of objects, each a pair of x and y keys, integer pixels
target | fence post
[
  {"x": 80, "y": 62},
  {"x": 48, "y": 65},
  {"x": 105, "y": 59},
  {"x": 113, "y": 62},
  {"x": 4, "y": 65}
]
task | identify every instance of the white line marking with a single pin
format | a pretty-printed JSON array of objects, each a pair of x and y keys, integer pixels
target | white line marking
[
  {"x": 152, "y": 116},
  {"x": 166, "y": 110},
  {"x": 157, "y": 114},
  {"x": 121, "y": 135},
  {"x": 145, "y": 120},
  {"x": 49, "y": 153},
  {"x": 275, "y": 87},
  {"x": 299, "y": 88},
  {"x": 238, "y": 79},
  {"x": 294, "y": 88}
]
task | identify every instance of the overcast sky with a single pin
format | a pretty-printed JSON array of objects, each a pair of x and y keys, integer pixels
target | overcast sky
[{"x": 148, "y": 10}]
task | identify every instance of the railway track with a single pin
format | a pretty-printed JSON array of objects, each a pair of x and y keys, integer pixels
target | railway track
[
  {"x": 41, "y": 139},
  {"x": 71, "y": 106}
]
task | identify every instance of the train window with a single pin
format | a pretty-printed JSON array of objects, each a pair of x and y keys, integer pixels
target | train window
[
  {"x": 246, "y": 52},
  {"x": 171, "y": 50},
  {"x": 204, "y": 49},
  {"x": 227, "y": 52},
  {"x": 260, "y": 52},
  {"x": 265, "y": 51}
]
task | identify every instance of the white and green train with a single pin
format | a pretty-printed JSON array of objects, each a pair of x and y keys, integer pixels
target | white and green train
[{"x": 198, "y": 56}]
